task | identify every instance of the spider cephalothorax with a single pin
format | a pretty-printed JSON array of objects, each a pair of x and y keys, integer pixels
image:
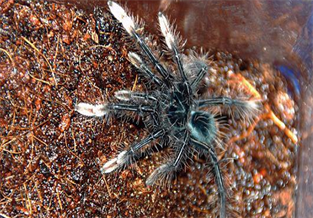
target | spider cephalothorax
[{"x": 170, "y": 109}]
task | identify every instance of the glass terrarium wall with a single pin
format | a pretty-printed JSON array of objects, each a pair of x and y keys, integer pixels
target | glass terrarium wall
[{"x": 274, "y": 32}]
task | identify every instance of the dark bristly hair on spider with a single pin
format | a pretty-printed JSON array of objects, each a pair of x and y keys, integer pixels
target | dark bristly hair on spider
[{"x": 170, "y": 109}]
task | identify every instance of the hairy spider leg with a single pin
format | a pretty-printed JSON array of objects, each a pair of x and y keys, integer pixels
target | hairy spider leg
[
  {"x": 229, "y": 102},
  {"x": 126, "y": 95},
  {"x": 194, "y": 84},
  {"x": 181, "y": 150},
  {"x": 217, "y": 173},
  {"x": 168, "y": 168},
  {"x": 164, "y": 73},
  {"x": 171, "y": 42},
  {"x": 247, "y": 108},
  {"x": 125, "y": 157},
  {"x": 100, "y": 110},
  {"x": 144, "y": 69},
  {"x": 90, "y": 110},
  {"x": 130, "y": 107},
  {"x": 140, "y": 97},
  {"x": 130, "y": 26}
]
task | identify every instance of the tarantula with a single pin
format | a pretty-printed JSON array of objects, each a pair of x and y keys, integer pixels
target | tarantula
[{"x": 170, "y": 109}]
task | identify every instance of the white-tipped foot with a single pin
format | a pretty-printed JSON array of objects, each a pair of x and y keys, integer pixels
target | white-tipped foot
[
  {"x": 121, "y": 158},
  {"x": 135, "y": 59},
  {"x": 114, "y": 163},
  {"x": 157, "y": 174},
  {"x": 120, "y": 14},
  {"x": 253, "y": 105},
  {"x": 166, "y": 31},
  {"x": 249, "y": 109},
  {"x": 109, "y": 166},
  {"x": 123, "y": 95},
  {"x": 91, "y": 110}
]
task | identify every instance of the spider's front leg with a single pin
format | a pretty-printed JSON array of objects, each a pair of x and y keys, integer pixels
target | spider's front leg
[
  {"x": 172, "y": 42},
  {"x": 131, "y": 28},
  {"x": 125, "y": 157},
  {"x": 101, "y": 110},
  {"x": 130, "y": 101},
  {"x": 126, "y": 95}
]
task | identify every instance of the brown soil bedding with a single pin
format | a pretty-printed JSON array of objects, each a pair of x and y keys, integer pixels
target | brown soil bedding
[{"x": 52, "y": 56}]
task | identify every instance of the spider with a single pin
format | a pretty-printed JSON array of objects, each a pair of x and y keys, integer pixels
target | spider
[{"x": 170, "y": 109}]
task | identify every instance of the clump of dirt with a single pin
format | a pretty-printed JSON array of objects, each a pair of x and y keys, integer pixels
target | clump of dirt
[{"x": 53, "y": 56}]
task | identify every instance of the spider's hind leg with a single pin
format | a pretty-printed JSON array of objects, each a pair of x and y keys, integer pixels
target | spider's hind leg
[
  {"x": 165, "y": 171},
  {"x": 217, "y": 174},
  {"x": 204, "y": 133}
]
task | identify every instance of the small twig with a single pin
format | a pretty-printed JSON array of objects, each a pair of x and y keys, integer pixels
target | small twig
[
  {"x": 203, "y": 190},
  {"x": 65, "y": 140},
  {"x": 39, "y": 52},
  {"x": 38, "y": 139},
  {"x": 56, "y": 53},
  {"x": 27, "y": 200},
  {"x": 248, "y": 85},
  {"x": 135, "y": 83},
  {"x": 8, "y": 54},
  {"x": 40, "y": 80},
  {"x": 281, "y": 125},
  {"x": 7, "y": 142},
  {"x": 74, "y": 140},
  {"x": 108, "y": 187},
  {"x": 59, "y": 200},
  {"x": 39, "y": 193}
]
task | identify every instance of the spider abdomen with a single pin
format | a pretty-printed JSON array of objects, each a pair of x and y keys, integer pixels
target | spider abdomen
[{"x": 202, "y": 126}]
